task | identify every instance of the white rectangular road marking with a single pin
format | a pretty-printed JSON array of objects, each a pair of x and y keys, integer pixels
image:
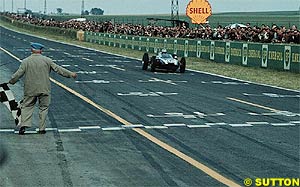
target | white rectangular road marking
[
  {"x": 174, "y": 114},
  {"x": 295, "y": 122},
  {"x": 253, "y": 114},
  {"x": 89, "y": 127},
  {"x": 156, "y": 127},
  {"x": 216, "y": 114},
  {"x": 282, "y": 124},
  {"x": 27, "y": 132},
  {"x": 175, "y": 125},
  {"x": 114, "y": 67},
  {"x": 257, "y": 123},
  {"x": 240, "y": 125},
  {"x": 88, "y": 59},
  {"x": 198, "y": 126},
  {"x": 69, "y": 130},
  {"x": 113, "y": 128},
  {"x": 216, "y": 124},
  {"x": 217, "y": 82},
  {"x": 271, "y": 114},
  {"x": 133, "y": 126},
  {"x": 189, "y": 116},
  {"x": 48, "y": 129},
  {"x": 7, "y": 130}
]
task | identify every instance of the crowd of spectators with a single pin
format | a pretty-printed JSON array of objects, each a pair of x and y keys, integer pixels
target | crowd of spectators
[{"x": 263, "y": 33}]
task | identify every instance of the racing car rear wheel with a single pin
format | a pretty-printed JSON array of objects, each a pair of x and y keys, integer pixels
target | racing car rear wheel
[
  {"x": 153, "y": 58},
  {"x": 145, "y": 61},
  {"x": 182, "y": 65}
]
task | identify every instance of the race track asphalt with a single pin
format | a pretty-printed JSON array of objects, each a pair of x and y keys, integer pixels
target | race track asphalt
[{"x": 98, "y": 124}]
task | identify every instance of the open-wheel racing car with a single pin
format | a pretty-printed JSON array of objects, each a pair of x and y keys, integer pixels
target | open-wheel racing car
[{"x": 164, "y": 61}]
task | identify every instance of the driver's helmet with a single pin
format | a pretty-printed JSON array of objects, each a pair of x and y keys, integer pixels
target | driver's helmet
[{"x": 163, "y": 51}]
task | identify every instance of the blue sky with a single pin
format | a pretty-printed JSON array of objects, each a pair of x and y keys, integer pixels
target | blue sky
[{"x": 129, "y": 7}]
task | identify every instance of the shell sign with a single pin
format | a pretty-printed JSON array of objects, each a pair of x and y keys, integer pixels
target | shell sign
[{"x": 198, "y": 11}]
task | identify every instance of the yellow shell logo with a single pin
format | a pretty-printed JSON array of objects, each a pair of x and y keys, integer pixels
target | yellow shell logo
[{"x": 198, "y": 11}]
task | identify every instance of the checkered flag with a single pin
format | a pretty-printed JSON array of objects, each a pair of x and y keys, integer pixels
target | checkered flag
[{"x": 8, "y": 99}]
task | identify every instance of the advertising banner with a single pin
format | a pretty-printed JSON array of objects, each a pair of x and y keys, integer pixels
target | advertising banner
[
  {"x": 287, "y": 57},
  {"x": 264, "y": 56},
  {"x": 212, "y": 50},
  {"x": 273, "y": 56},
  {"x": 245, "y": 54},
  {"x": 227, "y": 52}
]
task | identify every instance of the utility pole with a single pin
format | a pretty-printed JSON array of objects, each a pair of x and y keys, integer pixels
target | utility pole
[
  {"x": 174, "y": 11},
  {"x": 24, "y": 4},
  {"x": 45, "y": 7},
  {"x": 82, "y": 7},
  {"x": 3, "y": 5},
  {"x": 12, "y": 6}
]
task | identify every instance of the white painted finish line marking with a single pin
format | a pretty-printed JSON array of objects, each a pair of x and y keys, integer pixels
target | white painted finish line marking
[
  {"x": 113, "y": 128},
  {"x": 26, "y": 132},
  {"x": 175, "y": 125},
  {"x": 198, "y": 126},
  {"x": 89, "y": 127},
  {"x": 155, "y": 127},
  {"x": 215, "y": 124},
  {"x": 282, "y": 124},
  {"x": 241, "y": 125},
  {"x": 48, "y": 129},
  {"x": 133, "y": 126},
  {"x": 7, "y": 130},
  {"x": 69, "y": 130},
  {"x": 164, "y": 126},
  {"x": 257, "y": 123}
]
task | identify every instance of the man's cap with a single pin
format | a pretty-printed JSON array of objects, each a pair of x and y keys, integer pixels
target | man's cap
[{"x": 37, "y": 46}]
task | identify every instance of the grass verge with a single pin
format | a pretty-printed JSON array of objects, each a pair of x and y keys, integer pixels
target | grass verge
[{"x": 257, "y": 75}]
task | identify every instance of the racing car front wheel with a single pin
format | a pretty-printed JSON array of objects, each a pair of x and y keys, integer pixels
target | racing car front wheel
[
  {"x": 182, "y": 65},
  {"x": 145, "y": 61}
]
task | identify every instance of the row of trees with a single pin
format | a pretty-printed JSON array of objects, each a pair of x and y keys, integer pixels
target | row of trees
[{"x": 94, "y": 11}]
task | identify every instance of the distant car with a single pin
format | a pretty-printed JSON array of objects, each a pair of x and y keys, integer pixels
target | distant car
[{"x": 164, "y": 61}]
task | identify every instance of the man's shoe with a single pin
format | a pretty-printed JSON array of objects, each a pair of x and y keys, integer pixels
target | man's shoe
[
  {"x": 41, "y": 132},
  {"x": 22, "y": 131}
]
